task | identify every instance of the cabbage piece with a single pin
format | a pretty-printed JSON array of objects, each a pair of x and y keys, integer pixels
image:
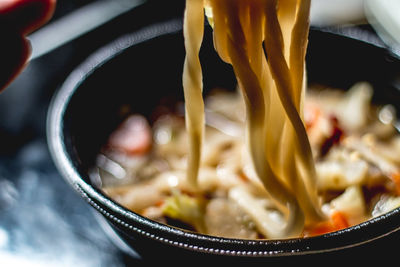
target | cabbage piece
[
  {"x": 351, "y": 203},
  {"x": 352, "y": 111},
  {"x": 269, "y": 222},
  {"x": 338, "y": 174},
  {"x": 225, "y": 218},
  {"x": 385, "y": 204},
  {"x": 185, "y": 208},
  {"x": 368, "y": 149}
]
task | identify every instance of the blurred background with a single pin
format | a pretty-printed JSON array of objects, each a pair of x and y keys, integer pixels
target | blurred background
[{"x": 43, "y": 222}]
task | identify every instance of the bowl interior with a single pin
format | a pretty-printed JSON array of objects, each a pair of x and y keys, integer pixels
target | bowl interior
[
  {"x": 134, "y": 81},
  {"x": 134, "y": 73},
  {"x": 143, "y": 74}
]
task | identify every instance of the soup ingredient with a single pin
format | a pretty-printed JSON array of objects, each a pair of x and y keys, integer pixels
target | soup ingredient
[
  {"x": 133, "y": 136},
  {"x": 357, "y": 176}
]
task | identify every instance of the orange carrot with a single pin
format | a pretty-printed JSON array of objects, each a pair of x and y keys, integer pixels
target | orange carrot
[
  {"x": 336, "y": 222},
  {"x": 311, "y": 115},
  {"x": 339, "y": 220},
  {"x": 396, "y": 179}
]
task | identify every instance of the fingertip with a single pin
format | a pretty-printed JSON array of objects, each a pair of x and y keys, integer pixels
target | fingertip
[
  {"x": 26, "y": 16},
  {"x": 15, "y": 52},
  {"x": 41, "y": 10},
  {"x": 44, "y": 14},
  {"x": 17, "y": 19}
]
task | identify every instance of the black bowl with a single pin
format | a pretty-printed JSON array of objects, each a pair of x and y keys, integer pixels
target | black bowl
[{"x": 138, "y": 70}]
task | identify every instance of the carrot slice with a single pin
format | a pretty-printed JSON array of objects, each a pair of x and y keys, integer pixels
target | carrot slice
[
  {"x": 396, "y": 180},
  {"x": 339, "y": 220},
  {"x": 336, "y": 222}
]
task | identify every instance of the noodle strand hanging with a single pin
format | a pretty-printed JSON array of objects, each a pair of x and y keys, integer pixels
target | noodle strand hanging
[
  {"x": 265, "y": 42},
  {"x": 193, "y": 85}
]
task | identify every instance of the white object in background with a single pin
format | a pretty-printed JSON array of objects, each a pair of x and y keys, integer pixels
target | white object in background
[
  {"x": 384, "y": 16},
  {"x": 335, "y": 12},
  {"x": 77, "y": 23}
]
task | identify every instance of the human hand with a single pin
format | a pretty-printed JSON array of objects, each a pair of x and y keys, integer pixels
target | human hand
[{"x": 17, "y": 19}]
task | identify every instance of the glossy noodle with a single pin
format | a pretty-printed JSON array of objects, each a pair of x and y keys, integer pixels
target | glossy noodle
[{"x": 265, "y": 41}]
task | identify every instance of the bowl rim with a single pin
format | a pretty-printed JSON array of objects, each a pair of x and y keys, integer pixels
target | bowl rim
[{"x": 253, "y": 248}]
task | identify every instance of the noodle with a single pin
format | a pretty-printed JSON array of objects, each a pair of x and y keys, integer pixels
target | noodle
[
  {"x": 265, "y": 41},
  {"x": 308, "y": 165},
  {"x": 192, "y": 84}
]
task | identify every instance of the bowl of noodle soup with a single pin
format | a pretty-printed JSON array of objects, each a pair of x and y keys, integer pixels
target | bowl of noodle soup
[{"x": 141, "y": 73}]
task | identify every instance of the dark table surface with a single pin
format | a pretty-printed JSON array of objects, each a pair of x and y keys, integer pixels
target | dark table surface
[{"x": 43, "y": 222}]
